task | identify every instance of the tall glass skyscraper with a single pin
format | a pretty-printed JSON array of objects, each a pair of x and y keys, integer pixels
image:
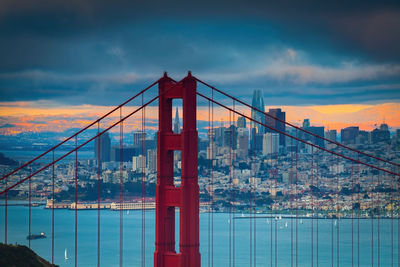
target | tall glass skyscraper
[{"x": 258, "y": 103}]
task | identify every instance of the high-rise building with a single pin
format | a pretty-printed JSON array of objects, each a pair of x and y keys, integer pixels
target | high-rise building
[
  {"x": 380, "y": 135},
  {"x": 331, "y": 135},
  {"x": 258, "y": 103},
  {"x": 127, "y": 152},
  {"x": 316, "y": 130},
  {"x": 276, "y": 124},
  {"x": 256, "y": 140},
  {"x": 177, "y": 126},
  {"x": 152, "y": 160},
  {"x": 242, "y": 143},
  {"x": 229, "y": 137},
  {"x": 241, "y": 122},
  {"x": 306, "y": 123},
  {"x": 139, "y": 138},
  {"x": 348, "y": 135},
  {"x": 105, "y": 146},
  {"x": 139, "y": 164},
  {"x": 270, "y": 144}
]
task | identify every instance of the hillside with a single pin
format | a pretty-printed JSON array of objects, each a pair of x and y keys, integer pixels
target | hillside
[{"x": 21, "y": 256}]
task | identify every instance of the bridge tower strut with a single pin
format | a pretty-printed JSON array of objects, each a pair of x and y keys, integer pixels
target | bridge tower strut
[{"x": 186, "y": 196}]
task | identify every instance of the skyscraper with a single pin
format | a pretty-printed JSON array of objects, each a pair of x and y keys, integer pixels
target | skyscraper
[
  {"x": 105, "y": 147},
  {"x": 348, "y": 135},
  {"x": 277, "y": 113},
  {"x": 177, "y": 126},
  {"x": 241, "y": 122},
  {"x": 138, "y": 138},
  {"x": 258, "y": 103},
  {"x": 270, "y": 143}
]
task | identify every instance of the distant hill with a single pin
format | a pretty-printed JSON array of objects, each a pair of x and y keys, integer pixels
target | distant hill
[
  {"x": 21, "y": 256},
  {"x": 7, "y": 161}
]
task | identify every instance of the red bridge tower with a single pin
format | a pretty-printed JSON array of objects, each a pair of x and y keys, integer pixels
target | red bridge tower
[{"x": 186, "y": 197}]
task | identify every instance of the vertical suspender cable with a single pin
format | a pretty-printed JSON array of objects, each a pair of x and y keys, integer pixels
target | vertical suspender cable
[
  {"x": 378, "y": 203},
  {"x": 372, "y": 219},
  {"x": 358, "y": 210},
  {"x": 212, "y": 182},
  {"x": 275, "y": 153},
  {"x": 210, "y": 145},
  {"x": 254, "y": 212},
  {"x": 76, "y": 202},
  {"x": 272, "y": 203},
  {"x": 317, "y": 233},
  {"x": 250, "y": 206},
  {"x": 121, "y": 190},
  {"x": 296, "y": 201},
  {"x": 333, "y": 207},
  {"x": 5, "y": 213},
  {"x": 254, "y": 207},
  {"x": 352, "y": 214},
  {"x": 312, "y": 206},
  {"x": 230, "y": 190},
  {"x": 337, "y": 215},
  {"x": 52, "y": 214},
  {"x": 234, "y": 136},
  {"x": 391, "y": 217},
  {"x": 29, "y": 204},
  {"x": 98, "y": 192},
  {"x": 143, "y": 188},
  {"x": 291, "y": 202}
]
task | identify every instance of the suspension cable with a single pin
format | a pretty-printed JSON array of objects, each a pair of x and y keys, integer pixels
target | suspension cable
[
  {"x": 296, "y": 127},
  {"x": 300, "y": 140}
]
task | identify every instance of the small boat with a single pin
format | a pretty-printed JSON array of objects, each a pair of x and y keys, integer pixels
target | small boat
[
  {"x": 127, "y": 212},
  {"x": 301, "y": 221},
  {"x": 65, "y": 254},
  {"x": 286, "y": 225},
  {"x": 229, "y": 221},
  {"x": 242, "y": 214},
  {"x": 267, "y": 221},
  {"x": 335, "y": 223},
  {"x": 32, "y": 237},
  {"x": 276, "y": 218},
  {"x": 280, "y": 217}
]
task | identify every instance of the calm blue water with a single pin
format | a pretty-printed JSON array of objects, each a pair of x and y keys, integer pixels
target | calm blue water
[{"x": 87, "y": 239}]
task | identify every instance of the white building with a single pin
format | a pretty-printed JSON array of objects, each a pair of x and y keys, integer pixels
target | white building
[
  {"x": 270, "y": 143},
  {"x": 139, "y": 163}
]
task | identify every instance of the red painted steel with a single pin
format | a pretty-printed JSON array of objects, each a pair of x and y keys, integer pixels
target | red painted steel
[{"x": 186, "y": 197}]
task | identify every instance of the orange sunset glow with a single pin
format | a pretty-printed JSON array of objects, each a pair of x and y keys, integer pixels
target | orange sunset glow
[{"x": 28, "y": 117}]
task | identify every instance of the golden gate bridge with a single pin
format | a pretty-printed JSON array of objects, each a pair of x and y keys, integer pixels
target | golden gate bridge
[{"x": 186, "y": 196}]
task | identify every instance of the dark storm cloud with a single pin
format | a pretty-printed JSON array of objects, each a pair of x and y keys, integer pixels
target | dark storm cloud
[
  {"x": 91, "y": 51},
  {"x": 373, "y": 26}
]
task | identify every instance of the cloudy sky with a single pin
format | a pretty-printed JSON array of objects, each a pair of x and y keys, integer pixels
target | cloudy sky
[{"x": 75, "y": 54}]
